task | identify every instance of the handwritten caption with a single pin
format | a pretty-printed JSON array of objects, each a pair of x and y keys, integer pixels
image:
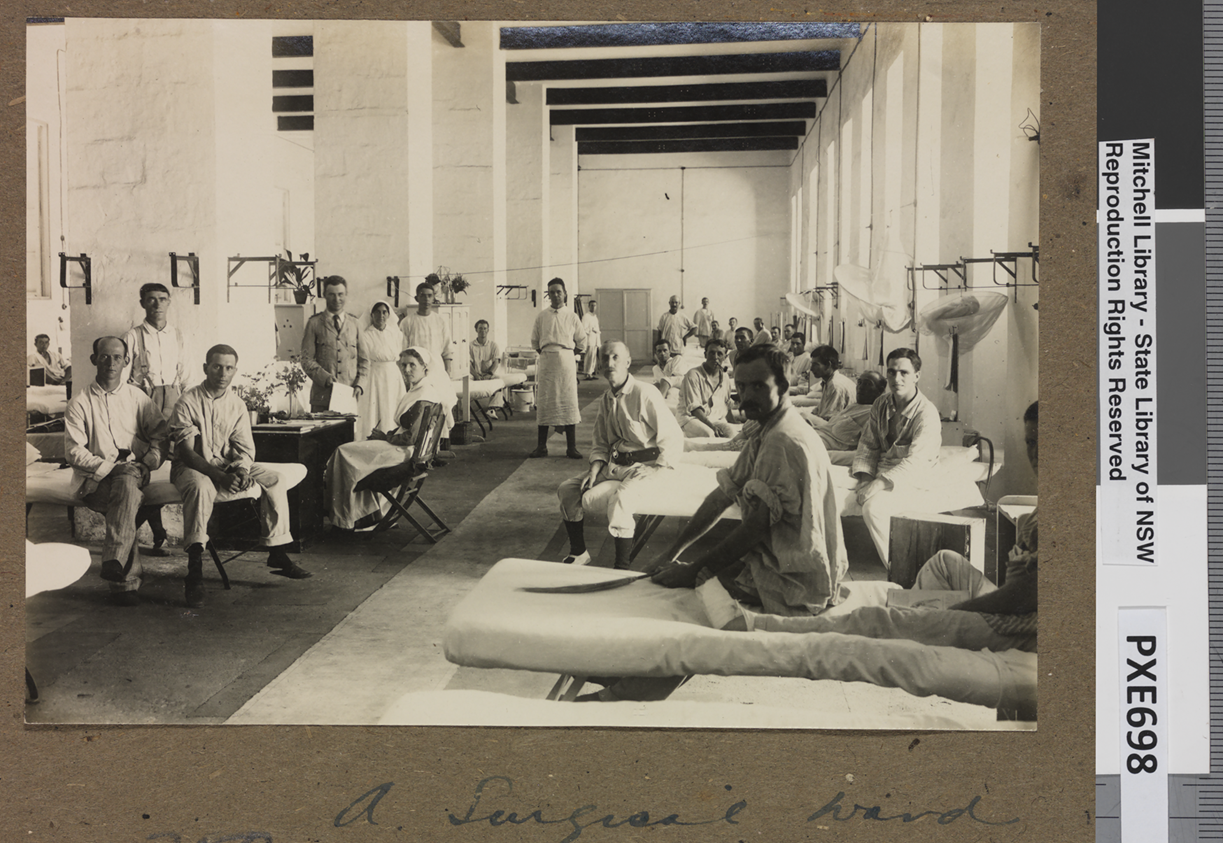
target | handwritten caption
[{"x": 492, "y": 800}]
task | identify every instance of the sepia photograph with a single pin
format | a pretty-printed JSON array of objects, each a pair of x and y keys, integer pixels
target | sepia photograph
[{"x": 556, "y": 374}]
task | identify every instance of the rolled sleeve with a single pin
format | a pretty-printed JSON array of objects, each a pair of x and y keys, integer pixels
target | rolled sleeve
[
  {"x": 756, "y": 491},
  {"x": 668, "y": 433}
]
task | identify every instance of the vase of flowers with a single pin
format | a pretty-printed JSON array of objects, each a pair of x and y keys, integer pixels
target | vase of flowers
[
  {"x": 448, "y": 284},
  {"x": 292, "y": 377}
]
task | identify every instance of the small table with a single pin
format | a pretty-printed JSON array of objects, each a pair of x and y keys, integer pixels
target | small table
[{"x": 310, "y": 442}]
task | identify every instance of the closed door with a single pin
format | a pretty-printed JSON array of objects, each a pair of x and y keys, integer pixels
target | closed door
[{"x": 625, "y": 315}]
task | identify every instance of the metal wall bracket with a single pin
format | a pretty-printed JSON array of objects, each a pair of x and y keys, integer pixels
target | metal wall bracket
[
  {"x": 86, "y": 270},
  {"x": 511, "y": 292},
  {"x": 193, "y": 267}
]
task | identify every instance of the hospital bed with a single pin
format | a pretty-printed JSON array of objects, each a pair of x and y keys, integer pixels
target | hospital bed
[
  {"x": 480, "y": 394},
  {"x": 645, "y": 630}
]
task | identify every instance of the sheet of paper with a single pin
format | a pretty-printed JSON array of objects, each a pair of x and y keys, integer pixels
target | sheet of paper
[{"x": 343, "y": 400}]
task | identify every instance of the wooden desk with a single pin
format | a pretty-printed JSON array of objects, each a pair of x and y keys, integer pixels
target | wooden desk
[{"x": 311, "y": 443}]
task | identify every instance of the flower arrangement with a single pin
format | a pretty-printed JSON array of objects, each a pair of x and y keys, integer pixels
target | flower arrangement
[
  {"x": 447, "y": 283},
  {"x": 254, "y": 396},
  {"x": 284, "y": 377}
]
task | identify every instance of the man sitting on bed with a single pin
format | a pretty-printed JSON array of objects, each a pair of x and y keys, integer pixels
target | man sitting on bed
[
  {"x": 786, "y": 556},
  {"x": 58, "y": 370},
  {"x": 667, "y": 369},
  {"x": 114, "y": 437},
  {"x": 991, "y": 618},
  {"x": 636, "y": 436},
  {"x": 214, "y": 451},
  {"x": 898, "y": 450},
  {"x": 704, "y": 398},
  {"x": 844, "y": 430}
]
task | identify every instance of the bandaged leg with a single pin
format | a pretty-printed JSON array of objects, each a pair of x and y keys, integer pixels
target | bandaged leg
[{"x": 966, "y": 676}]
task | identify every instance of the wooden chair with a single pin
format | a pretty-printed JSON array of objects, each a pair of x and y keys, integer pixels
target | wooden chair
[{"x": 401, "y": 484}]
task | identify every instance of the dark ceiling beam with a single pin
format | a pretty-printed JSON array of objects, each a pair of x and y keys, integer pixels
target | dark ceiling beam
[
  {"x": 691, "y": 130},
  {"x": 697, "y": 145},
  {"x": 648, "y": 34},
  {"x": 793, "y": 90},
  {"x": 804, "y": 62},
  {"x": 688, "y": 114},
  {"x": 451, "y": 31}
]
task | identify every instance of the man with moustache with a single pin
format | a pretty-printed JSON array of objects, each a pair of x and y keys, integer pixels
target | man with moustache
[
  {"x": 331, "y": 347},
  {"x": 114, "y": 438},
  {"x": 787, "y": 555},
  {"x": 214, "y": 452}
]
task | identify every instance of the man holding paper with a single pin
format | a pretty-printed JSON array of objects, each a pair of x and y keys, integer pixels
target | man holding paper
[{"x": 331, "y": 348}]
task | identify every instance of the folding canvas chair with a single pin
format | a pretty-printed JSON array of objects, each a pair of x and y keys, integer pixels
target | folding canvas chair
[{"x": 401, "y": 484}]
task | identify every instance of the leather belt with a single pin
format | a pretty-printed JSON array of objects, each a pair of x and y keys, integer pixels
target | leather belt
[{"x": 632, "y": 457}]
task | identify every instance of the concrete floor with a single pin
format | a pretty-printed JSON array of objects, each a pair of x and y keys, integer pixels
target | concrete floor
[{"x": 359, "y": 642}]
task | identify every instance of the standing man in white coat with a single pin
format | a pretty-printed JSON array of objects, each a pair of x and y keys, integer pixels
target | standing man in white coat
[
  {"x": 594, "y": 342},
  {"x": 557, "y": 337}
]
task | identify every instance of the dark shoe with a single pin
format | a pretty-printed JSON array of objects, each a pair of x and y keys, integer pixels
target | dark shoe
[
  {"x": 112, "y": 571},
  {"x": 538, "y": 452},
  {"x": 125, "y": 598},
  {"x": 293, "y": 571},
  {"x": 194, "y": 592},
  {"x": 284, "y": 566},
  {"x": 158, "y": 548},
  {"x": 573, "y": 454}
]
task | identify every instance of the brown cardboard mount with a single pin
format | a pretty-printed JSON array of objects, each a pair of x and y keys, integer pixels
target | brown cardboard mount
[{"x": 294, "y": 783}]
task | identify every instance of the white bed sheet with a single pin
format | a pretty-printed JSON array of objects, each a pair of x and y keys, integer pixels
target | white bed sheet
[
  {"x": 645, "y": 630},
  {"x": 48, "y": 400}
]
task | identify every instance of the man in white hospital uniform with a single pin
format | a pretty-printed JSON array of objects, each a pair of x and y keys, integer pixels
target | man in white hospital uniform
[
  {"x": 704, "y": 323},
  {"x": 675, "y": 327},
  {"x": 114, "y": 438},
  {"x": 427, "y": 329},
  {"x": 898, "y": 450},
  {"x": 594, "y": 341},
  {"x": 636, "y": 439},
  {"x": 556, "y": 337},
  {"x": 214, "y": 452}
]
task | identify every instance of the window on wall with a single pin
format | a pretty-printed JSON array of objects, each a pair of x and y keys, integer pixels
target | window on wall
[
  {"x": 37, "y": 212},
  {"x": 293, "y": 82}
]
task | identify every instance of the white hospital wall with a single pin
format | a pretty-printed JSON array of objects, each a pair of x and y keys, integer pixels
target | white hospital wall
[
  {"x": 469, "y": 165},
  {"x": 363, "y": 188},
  {"x": 44, "y": 59},
  {"x": 935, "y": 109},
  {"x": 730, "y": 211}
]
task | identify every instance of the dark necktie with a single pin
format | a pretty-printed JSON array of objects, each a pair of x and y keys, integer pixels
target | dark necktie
[{"x": 336, "y": 319}]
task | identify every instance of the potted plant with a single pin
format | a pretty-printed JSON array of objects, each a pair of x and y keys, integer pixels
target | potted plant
[{"x": 292, "y": 276}]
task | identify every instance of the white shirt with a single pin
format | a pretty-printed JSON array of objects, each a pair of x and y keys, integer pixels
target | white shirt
[{"x": 161, "y": 362}]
